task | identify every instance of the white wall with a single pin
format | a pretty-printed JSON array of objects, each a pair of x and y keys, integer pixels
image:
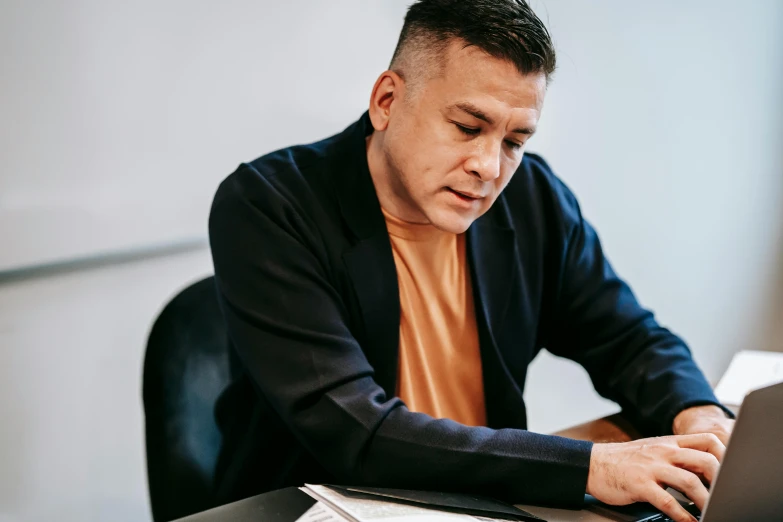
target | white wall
[
  {"x": 71, "y": 422},
  {"x": 665, "y": 118},
  {"x": 119, "y": 118}
]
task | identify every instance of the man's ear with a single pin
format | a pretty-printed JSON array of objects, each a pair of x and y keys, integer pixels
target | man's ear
[{"x": 388, "y": 88}]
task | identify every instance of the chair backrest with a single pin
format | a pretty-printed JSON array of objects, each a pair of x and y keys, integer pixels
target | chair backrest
[{"x": 186, "y": 367}]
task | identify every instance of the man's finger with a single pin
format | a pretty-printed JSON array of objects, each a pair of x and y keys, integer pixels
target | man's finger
[
  {"x": 666, "y": 503},
  {"x": 701, "y": 462},
  {"x": 686, "y": 483},
  {"x": 703, "y": 442}
]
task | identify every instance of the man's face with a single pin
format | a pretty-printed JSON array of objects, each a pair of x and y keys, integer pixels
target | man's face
[{"x": 453, "y": 145}]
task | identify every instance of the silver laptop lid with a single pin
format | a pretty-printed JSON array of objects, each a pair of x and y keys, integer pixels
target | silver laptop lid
[{"x": 750, "y": 481}]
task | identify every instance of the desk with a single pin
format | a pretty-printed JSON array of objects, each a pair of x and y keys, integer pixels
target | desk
[{"x": 287, "y": 505}]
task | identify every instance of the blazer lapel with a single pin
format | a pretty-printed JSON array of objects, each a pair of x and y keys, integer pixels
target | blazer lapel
[
  {"x": 492, "y": 256},
  {"x": 371, "y": 267},
  {"x": 494, "y": 261},
  {"x": 370, "y": 262}
]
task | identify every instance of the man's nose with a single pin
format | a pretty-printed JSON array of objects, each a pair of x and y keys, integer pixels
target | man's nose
[{"x": 484, "y": 163}]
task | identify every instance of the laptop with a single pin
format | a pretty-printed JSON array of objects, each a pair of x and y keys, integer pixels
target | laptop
[{"x": 749, "y": 485}]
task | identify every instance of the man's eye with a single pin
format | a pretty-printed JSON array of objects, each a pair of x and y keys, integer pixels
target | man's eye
[
  {"x": 467, "y": 130},
  {"x": 513, "y": 144}
]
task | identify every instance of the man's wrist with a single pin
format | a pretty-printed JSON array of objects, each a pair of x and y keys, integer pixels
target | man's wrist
[{"x": 682, "y": 419}]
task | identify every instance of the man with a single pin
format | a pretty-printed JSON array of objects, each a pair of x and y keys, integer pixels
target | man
[{"x": 386, "y": 289}]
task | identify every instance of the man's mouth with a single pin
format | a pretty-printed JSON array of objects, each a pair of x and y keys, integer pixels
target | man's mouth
[{"x": 465, "y": 196}]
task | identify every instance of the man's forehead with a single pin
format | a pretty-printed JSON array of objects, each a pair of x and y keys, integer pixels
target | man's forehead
[{"x": 469, "y": 72}]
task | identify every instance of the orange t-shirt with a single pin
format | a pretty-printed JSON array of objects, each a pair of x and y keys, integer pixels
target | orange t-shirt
[{"x": 439, "y": 361}]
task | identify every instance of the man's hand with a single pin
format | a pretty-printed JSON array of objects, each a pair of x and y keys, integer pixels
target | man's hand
[
  {"x": 640, "y": 471},
  {"x": 704, "y": 419}
]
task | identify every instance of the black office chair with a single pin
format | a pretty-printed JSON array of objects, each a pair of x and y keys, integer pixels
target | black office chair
[{"x": 185, "y": 369}]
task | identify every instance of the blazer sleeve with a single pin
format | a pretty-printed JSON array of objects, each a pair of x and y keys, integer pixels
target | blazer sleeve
[
  {"x": 288, "y": 324},
  {"x": 598, "y": 323}
]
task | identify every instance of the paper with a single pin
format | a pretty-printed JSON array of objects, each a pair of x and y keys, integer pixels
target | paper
[
  {"x": 366, "y": 508},
  {"x": 749, "y": 370}
]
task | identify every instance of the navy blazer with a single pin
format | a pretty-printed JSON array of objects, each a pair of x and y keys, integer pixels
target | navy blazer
[{"x": 308, "y": 288}]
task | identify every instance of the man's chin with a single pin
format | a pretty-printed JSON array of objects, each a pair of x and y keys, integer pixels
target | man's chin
[{"x": 451, "y": 222}]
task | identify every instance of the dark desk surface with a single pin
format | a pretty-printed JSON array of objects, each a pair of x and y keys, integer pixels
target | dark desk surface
[
  {"x": 283, "y": 505},
  {"x": 287, "y": 505}
]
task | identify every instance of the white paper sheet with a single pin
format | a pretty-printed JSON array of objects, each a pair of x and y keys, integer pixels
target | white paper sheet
[
  {"x": 364, "y": 508},
  {"x": 749, "y": 370}
]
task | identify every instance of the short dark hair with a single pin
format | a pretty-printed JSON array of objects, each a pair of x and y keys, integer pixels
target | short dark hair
[{"x": 505, "y": 29}]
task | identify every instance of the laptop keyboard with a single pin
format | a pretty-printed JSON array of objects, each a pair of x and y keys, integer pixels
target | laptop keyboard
[
  {"x": 664, "y": 518},
  {"x": 690, "y": 508}
]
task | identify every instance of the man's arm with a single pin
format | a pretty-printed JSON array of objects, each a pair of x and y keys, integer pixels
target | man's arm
[
  {"x": 645, "y": 368},
  {"x": 598, "y": 323},
  {"x": 289, "y": 326}
]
